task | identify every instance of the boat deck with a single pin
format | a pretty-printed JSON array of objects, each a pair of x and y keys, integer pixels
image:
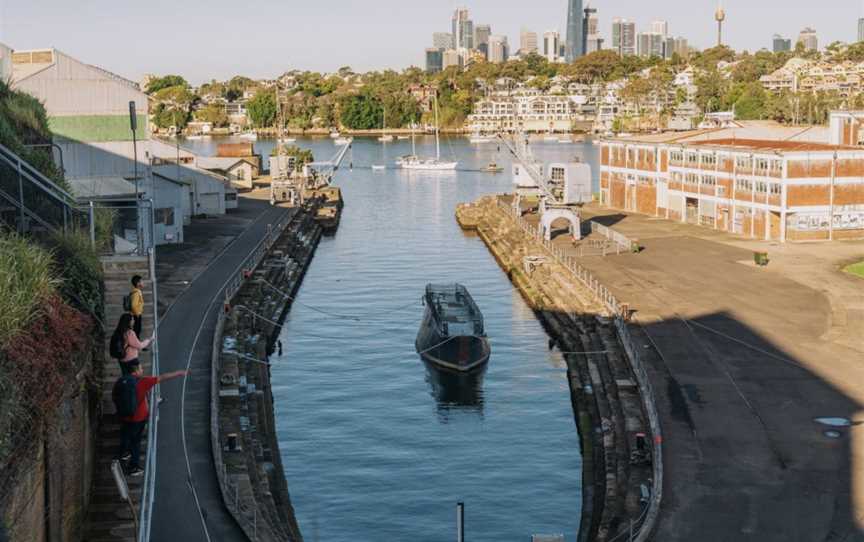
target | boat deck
[{"x": 453, "y": 304}]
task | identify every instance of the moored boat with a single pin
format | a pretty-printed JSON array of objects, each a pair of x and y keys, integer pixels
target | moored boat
[{"x": 452, "y": 334}]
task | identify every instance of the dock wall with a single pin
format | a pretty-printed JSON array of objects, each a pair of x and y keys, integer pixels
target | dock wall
[
  {"x": 243, "y": 432},
  {"x": 612, "y": 398}
]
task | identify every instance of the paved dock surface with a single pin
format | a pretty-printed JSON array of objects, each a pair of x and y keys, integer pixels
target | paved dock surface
[
  {"x": 748, "y": 358},
  {"x": 179, "y": 512}
]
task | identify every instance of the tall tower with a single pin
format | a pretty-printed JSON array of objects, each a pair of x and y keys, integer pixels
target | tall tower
[
  {"x": 720, "y": 16},
  {"x": 573, "y": 45}
]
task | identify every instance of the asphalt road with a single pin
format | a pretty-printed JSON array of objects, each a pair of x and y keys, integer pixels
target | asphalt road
[{"x": 188, "y": 505}]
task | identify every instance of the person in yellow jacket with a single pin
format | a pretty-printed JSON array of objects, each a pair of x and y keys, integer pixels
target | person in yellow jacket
[{"x": 136, "y": 309}]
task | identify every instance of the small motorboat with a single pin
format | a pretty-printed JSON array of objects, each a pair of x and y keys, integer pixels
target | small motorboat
[
  {"x": 289, "y": 140},
  {"x": 452, "y": 335},
  {"x": 378, "y": 167},
  {"x": 252, "y": 136},
  {"x": 335, "y": 135},
  {"x": 342, "y": 141},
  {"x": 493, "y": 168},
  {"x": 403, "y": 137},
  {"x": 385, "y": 138}
]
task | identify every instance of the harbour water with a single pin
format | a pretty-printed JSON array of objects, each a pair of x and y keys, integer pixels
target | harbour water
[{"x": 377, "y": 446}]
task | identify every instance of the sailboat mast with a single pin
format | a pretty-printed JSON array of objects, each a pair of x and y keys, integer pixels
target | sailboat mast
[{"x": 437, "y": 139}]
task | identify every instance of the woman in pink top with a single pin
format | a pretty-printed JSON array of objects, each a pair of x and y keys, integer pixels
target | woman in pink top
[{"x": 124, "y": 341}]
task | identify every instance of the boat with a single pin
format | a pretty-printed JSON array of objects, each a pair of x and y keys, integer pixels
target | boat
[
  {"x": 329, "y": 213},
  {"x": 452, "y": 335},
  {"x": 193, "y": 137},
  {"x": 342, "y": 141},
  {"x": 564, "y": 140},
  {"x": 428, "y": 164},
  {"x": 403, "y": 137},
  {"x": 378, "y": 167},
  {"x": 478, "y": 137},
  {"x": 493, "y": 168},
  {"x": 252, "y": 136},
  {"x": 385, "y": 137},
  {"x": 289, "y": 140},
  {"x": 335, "y": 135}
]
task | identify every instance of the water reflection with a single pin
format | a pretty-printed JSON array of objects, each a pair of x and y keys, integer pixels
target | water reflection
[{"x": 454, "y": 391}]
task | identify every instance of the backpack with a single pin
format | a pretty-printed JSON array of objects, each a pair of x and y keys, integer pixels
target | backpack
[
  {"x": 127, "y": 302},
  {"x": 117, "y": 346},
  {"x": 125, "y": 395}
]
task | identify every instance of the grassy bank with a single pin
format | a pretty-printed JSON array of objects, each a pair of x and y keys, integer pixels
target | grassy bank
[{"x": 856, "y": 269}]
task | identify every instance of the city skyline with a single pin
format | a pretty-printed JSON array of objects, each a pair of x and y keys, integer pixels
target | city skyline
[{"x": 271, "y": 50}]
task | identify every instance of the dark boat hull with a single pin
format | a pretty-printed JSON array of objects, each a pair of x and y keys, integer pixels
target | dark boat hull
[{"x": 462, "y": 353}]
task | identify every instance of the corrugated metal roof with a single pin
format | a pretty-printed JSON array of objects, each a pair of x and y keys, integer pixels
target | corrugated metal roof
[{"x": 101, "y": 187}]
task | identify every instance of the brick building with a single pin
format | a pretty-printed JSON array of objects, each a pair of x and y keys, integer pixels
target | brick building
[{"x": 763, "y": 182}]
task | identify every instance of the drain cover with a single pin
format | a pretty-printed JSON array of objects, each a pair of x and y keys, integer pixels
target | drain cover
[{"x": 834, "y": 422}]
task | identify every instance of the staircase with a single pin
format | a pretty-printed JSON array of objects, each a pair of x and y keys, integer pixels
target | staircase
[
  {"x": 109, "y": 517},
  {"x": 33, "y": 204}
]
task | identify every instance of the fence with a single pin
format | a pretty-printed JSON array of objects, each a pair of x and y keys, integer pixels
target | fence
[
  {"x": 619, "y": 312},
  {"x": 30, "y": 202},
  {"x": 122, "y": 227},
  {"x": 239, "y": 507},
  {"x": 622, "y": 242}
]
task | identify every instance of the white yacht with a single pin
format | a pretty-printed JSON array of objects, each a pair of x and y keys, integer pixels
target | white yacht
[
  {"x": 251, "y": 136},
  {"x": 429, "y": 164}
]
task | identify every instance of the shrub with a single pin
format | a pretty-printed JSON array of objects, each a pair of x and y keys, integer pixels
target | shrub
[
  {"x": 26, "y": 282},
  {"x": 78, "y": 266}
]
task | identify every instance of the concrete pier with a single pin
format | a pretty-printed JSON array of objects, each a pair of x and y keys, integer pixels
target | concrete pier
[
  {"x": 245, "y": 445},
  {"x": 615, "y": 433}
]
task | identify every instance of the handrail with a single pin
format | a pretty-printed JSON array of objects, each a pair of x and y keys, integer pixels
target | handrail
[
  {"x": 30, "y": 214},
  {"x": 231, "y": 496},
  {"x": 145, "y": 512},
  {"x": 36, "y": 177}
]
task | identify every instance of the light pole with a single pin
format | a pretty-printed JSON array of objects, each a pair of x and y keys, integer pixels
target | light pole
[{"x": 133, "y": 124}]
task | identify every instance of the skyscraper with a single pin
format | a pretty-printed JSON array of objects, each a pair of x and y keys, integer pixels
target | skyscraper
[
  {"x": 660, "y": 27},
  {"x": 589, "y": 28},
  {"x": 573, "y": 45},
  {"x": 499, "y": 51},
  {"x": 527, "y": 42},
  {"x": 861, "y": 29},
  {"x": 781, "y": 44},
  {"x": 434, "y": 60},
  {"x": 551, "y": 44},
  {"x": 481, "y": 38},
  {"x": 808, "y": 38},
  {"x": 463, "y": 29},
  {"x": 650, "y": 44},
  {"x": 624, "y": 37},
  {"x": 442, "y": 40}
]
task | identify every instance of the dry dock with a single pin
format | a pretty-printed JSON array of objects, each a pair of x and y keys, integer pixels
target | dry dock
[{"x": 621, "y": 458}]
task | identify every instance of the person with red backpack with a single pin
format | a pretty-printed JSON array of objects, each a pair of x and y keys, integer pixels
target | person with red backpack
[{"x": 130, "y": 399}]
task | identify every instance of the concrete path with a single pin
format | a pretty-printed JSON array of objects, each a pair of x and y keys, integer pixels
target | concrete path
[
  {"x": 744, "y": 360},
  {"x": 188, "y": 505}
]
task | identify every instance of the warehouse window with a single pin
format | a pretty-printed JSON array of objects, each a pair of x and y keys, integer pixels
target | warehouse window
[{"x": 165, "y": 216}]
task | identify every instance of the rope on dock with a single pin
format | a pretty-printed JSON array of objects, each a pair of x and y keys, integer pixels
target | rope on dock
[
  {"x": 357, "y": 318},
  {"x": 442, "y": 343}
]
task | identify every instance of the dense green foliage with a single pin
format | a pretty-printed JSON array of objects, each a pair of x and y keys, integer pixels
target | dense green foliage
[
  {"x": 361, "y": 112},
  {"x": 79, "y": 272},
  {"x": 23, "y": 121},
  {"x": 262, "y": 109},
  {"x": 214, "y": 113},
  {"x": 165, "y": 82},
  {"x": 26, "y": 281}
]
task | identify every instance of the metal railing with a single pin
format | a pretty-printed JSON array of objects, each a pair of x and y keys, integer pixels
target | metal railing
[
  {"x": 584, "y": 276},
  {"x": 145, "y": 511},
  {"x": 240, "y": 508},
  {"x": 643, "y": 527},
  {"x": 622, "y": 242},
  {"x": 36, "y": 198}
]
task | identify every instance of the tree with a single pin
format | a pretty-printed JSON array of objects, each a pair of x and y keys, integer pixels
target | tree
[
  {"x": 302, "y": 156},
  {"x": 213, "y": 113},
  {"x": 361, "y": 112},
  {"x": 751, "y": 104},
  {"x": 164, "y": 82},
  {"x": 711, "y": 88},
  {"x": 262, "y": 109}
]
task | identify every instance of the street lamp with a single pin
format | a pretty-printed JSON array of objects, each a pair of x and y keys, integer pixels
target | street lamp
[{"x": 133, "y": 125}]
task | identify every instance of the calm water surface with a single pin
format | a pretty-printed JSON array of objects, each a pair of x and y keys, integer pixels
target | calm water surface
[{"x": 375, "y": 445}]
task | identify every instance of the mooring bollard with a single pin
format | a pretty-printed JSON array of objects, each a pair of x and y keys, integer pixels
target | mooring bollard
[{"x": 460, "y": 521}]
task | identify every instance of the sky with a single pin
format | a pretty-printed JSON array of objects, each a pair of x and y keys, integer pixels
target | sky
[{"x": 217, "y": 39}]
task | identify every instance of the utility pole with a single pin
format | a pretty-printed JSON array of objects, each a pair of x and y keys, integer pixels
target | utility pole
[{"x": 133, "y": 124}]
